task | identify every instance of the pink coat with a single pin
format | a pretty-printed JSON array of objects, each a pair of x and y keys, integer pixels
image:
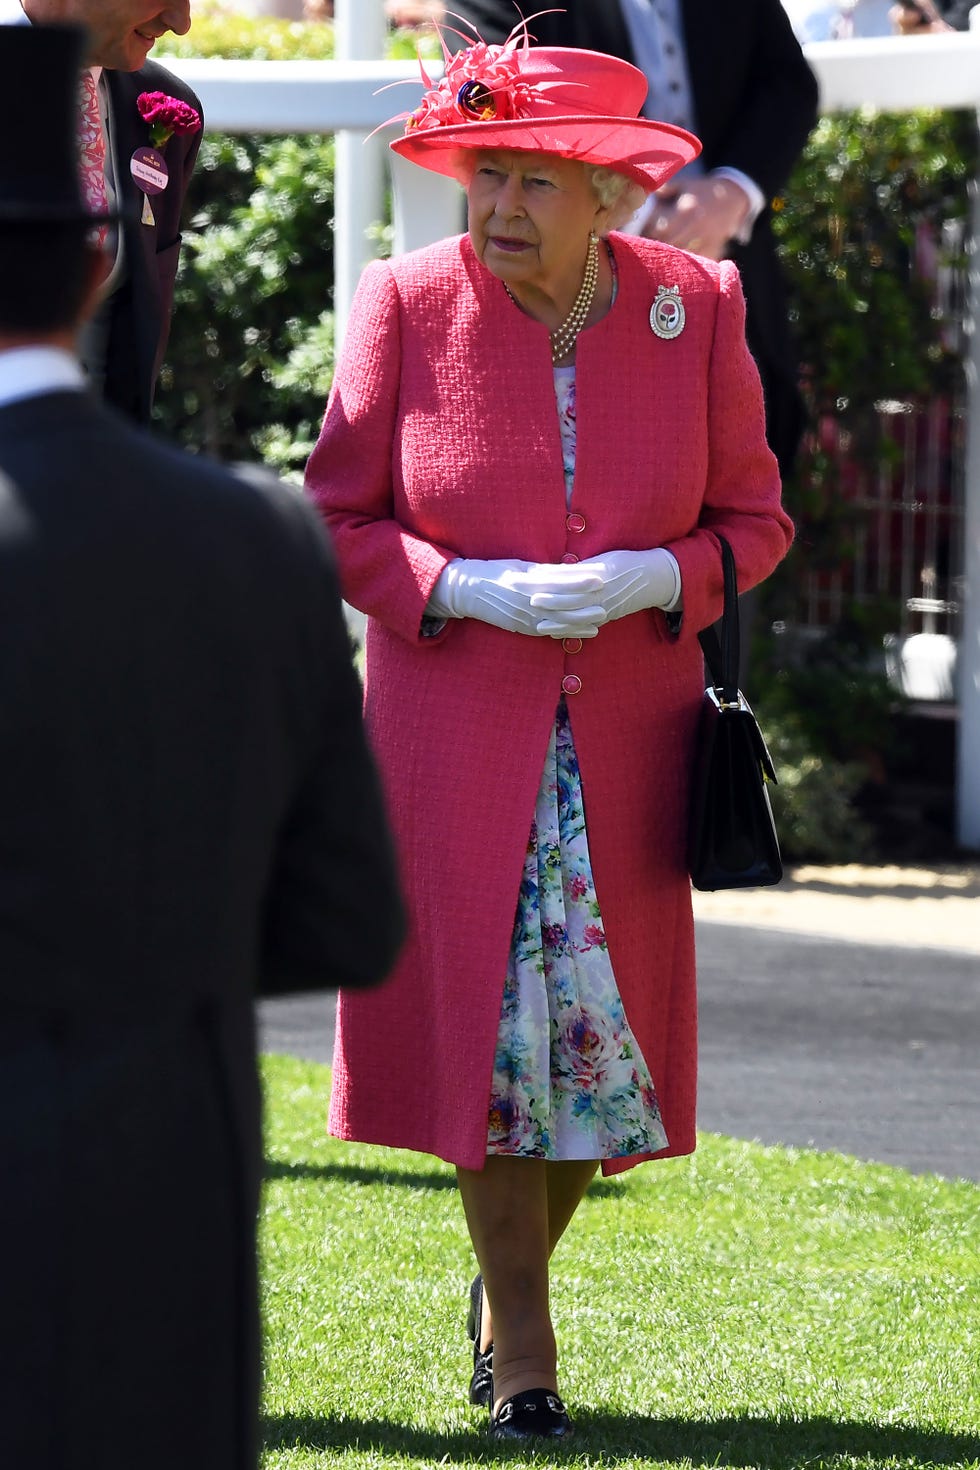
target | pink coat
[{"x": 440, "y": 440}]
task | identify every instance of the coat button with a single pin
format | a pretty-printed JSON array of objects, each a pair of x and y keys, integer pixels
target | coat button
[
  {"x": 571, "y": 684},
  {"x": 569, "y": 557},
  {"x": 575, "y": 522},
  {"x": 572, "y": 645}
]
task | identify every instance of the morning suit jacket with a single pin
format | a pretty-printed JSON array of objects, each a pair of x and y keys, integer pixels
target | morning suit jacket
[
  {"x": 755, "y": 102},
  {"x": 956, "y": 12},
  {"x": 441, "y": 439},
  {"x": 189, "y": 814},
  {"x": 138, "y": 313}
]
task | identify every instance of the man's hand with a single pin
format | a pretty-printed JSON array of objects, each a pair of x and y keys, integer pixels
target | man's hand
[
  {"x": 917, "y": 18},
  {"x": 702, "y": 216}
]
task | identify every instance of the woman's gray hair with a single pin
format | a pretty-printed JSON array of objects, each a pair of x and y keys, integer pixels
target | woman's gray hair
[{"x": 615, "y": 192}]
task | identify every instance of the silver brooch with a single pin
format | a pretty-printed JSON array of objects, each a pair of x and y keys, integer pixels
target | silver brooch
[{"x": 667, "y": 314}]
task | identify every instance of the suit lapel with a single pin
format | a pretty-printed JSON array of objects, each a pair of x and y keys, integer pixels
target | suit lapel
[
  {"x": 128, "y": 132},
  {"x": 714, "y": 42},
  {"x": 700, "y": 54}
]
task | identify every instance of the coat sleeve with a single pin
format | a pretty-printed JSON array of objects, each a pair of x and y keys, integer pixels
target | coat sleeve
[
  {"x": 334, "y": 914},
  {"x": 386, "y": 570},
  {"x": 742, "y": 491},
  {"x": 766, "y": 128}
]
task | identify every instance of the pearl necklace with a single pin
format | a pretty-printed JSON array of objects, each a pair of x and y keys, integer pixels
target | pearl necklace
[{"x": 563, "y": 337}]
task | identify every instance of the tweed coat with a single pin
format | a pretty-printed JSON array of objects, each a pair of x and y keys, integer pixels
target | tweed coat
[{"x": 440, "y": 440}]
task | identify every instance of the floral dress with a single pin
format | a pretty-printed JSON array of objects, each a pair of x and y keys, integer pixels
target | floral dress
[{"x": 569, "y": 1080}]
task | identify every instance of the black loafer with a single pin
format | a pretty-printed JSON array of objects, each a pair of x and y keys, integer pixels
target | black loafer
[
  {"x": 535, "y": 1414},
  {"x": 481, "y": 1383}
]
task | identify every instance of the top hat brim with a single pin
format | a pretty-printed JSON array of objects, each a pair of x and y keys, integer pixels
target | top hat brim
[
  {"x": 17, "y": 211},
  {"x": 40, "y": 181},
  {"x": 647, "y": 152}
]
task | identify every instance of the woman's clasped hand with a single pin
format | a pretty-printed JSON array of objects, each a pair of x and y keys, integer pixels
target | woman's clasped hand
[
  {"x": 506, "y": 594},
  {"x": 556, "y": 600},
  {"x": 629, "y": 582}
]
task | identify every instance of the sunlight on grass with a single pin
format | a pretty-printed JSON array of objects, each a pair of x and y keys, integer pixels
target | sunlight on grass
[{"x": 748, "y": 1306}]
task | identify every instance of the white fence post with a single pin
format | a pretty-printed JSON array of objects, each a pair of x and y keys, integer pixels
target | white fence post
[
  {"x": 359, "y": 160},
  {"x": 968, "y": 655},
  {"x": 427, "y": 206}
]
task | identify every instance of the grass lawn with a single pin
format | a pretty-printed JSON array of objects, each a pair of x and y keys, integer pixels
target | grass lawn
[{"x": 747, "y": 1306}]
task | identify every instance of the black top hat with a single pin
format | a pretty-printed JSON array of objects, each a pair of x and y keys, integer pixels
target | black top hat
[{"x": 39, "y": 160}]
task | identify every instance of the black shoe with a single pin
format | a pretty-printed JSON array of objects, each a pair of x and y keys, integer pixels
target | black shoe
[
  {"x": 535, "y": 1414},
  {"x": 481, "y": 1383}
]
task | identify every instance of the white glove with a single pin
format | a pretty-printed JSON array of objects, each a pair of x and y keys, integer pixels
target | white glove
[
  {"x": 505, "y": 593},
  {"x": 631, "y": 581}
]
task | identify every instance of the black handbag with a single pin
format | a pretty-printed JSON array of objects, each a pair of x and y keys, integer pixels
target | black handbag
[{"x": 732, "y": 841}]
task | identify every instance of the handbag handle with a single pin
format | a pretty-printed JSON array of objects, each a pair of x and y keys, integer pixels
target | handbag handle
[{"x": 722, "y": 656}]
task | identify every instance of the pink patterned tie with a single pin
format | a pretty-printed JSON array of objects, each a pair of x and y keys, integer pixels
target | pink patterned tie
[{"x": 91, "y": 143}]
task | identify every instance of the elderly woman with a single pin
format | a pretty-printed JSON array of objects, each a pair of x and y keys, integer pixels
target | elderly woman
[{"x": 534, "y": 433}]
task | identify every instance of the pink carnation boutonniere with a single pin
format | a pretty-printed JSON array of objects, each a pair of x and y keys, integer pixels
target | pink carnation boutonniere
[{"x": 165, "y": 116}]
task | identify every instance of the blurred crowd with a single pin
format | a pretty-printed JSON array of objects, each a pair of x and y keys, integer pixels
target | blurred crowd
[{"x": 812, "y": 20}]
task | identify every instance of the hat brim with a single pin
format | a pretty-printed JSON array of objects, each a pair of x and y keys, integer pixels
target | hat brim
[{"x": 647, "y": 152}]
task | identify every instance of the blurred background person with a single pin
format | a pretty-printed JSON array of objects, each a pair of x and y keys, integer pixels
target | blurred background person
[
  {"x": 190, "y": 814},
  {"x": 124, "y": 342},
  {"x": 840, "y": 20},
  {"x": 931, "y": 17},
  {"x": 414, "y": 12}
]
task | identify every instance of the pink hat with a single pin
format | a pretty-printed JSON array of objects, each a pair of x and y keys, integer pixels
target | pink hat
[{"x": 542, "y": 99}]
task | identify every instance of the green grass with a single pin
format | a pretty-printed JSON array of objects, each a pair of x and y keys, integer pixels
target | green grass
[{"x": 749, "y": 1306}]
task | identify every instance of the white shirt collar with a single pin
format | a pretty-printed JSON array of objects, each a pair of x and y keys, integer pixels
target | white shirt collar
[{"x": 27, "y": 372}]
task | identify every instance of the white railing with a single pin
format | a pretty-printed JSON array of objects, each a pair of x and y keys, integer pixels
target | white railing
[{"x": 896, "y": 74}]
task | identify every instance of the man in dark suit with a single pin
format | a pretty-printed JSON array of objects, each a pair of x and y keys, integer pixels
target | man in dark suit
[
  {"x": 124, "y": 345},
  {"x": 752, "y": 102},
  {"x": 189, "y": 816}
]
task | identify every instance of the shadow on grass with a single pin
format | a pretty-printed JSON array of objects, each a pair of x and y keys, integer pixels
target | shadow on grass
[
  {"x": 768, "y": 1444},
  {"x": 357, "y": 1174},
  {"x": 411, "y": 1179}
]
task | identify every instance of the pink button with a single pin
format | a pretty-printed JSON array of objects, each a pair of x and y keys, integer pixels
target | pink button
[
  {"x": 575, "y": 522},
  {"x": 572, "y": 645},
  {"x": 569, "y": 557},
  {"x": 571, "y": 684}
]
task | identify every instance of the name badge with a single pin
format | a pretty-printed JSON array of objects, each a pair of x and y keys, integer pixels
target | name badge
[{"x": 149, "y": 168}]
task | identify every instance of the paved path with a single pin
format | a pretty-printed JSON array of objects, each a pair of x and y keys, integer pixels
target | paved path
[{"x": 818, "y": 1038}]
